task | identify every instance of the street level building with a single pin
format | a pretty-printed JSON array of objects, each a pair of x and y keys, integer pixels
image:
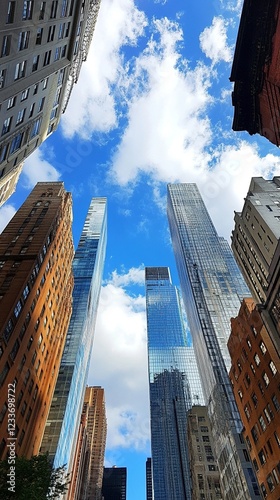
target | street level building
[
  {"x": 62, "y": 427},
  {"x": 204, "y": 470},
  {"x": 212, "y": 289},
  {"x": 170, "y": 394},
  {"x": 114, "y": 483},
  {"x": 42, "y": 47},
  {"x": 36, "y": 283},
  {"x": 87, "y": 471},
  {"x": 255, "y": 70},
  {"x": 255, "y": 377}
]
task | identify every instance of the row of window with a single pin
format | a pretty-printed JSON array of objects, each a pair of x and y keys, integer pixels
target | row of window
[
  {"x": 46, "y": 8},
  {"x": 272, "y": 480}
]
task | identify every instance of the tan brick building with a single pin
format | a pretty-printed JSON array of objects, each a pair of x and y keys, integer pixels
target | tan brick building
[{"x": 36, "y": 253}]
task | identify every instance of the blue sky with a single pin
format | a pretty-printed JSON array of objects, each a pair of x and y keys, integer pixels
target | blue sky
[{"x": 152, "y": 106}]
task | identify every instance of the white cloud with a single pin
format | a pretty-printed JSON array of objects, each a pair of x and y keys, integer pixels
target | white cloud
[
  {"x": 213, "y": 41},
  {"x": 225, "y": 186},
  {"x": 92, "y": 104},
  {"x": 37, "y": 169},
  {"x": 135, "y": 275},
  {"x": 167, "y": 129},
  {"x": 119, "y": 362},
  {"x": 6, "y": 213}
]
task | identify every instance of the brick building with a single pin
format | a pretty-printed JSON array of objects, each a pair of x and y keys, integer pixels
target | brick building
[
  {"x": 256, "y": 70},
  {"x": 256, "y": 383},
  {"x": 36, "y": 253}
]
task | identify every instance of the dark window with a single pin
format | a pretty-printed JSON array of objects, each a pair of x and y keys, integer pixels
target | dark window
[{"x": 11, "y": 12}]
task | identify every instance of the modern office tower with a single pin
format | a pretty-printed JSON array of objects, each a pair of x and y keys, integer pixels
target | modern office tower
[
  {"x": 255, "y": 70},
  {"x": 87, "y": 472},
  {"x": 114, "y": 483},
  {"x": 212, "y": 289},
  {"x": 256, "y": 246},
  {"x": 42, "y": 47},
  {"x": 170, "y": 397},
  {"x": 204, "y": 469},
  {"x": 255, "y": 376},
  {"x": 149, "y": 480},
  {"x": 62, "y": 426},
  {"x": 36, "y": 282}
]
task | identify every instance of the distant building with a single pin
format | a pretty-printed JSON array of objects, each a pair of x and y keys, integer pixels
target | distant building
[
  {"x": 256, "y": 72},
  {"x": 149, "y": 480},
  {"x": 62, "y": 425},
  {"x": 87, "y": 471},
  {"x": 212, "y": 288},
  {"x": 36, "y": 283},
  {"x": 204, "y": 469},
  {"x": 170, "y": 394},
  {"x": 255, "y": 376},
  {"x": 256, "y": 246},
  {"x": 42, "y": 47},
  {"x": 114, "y": 483}
]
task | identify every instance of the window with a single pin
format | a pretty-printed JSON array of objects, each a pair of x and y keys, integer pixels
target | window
[
  {"x": 27, "y": 9},
  {"x": 262, "y": 423},
  {"x": 18, "y": 308},
  {"x": 31, "y": 109},
  {"x": 42, "y": 10},
  {"x": 205, "y": 439},
  {"x": 41, "y": 104},
  {"x": 276, "y": 403},
  {"x": 254, "y": 399},
  {"x": 240, "y": 394},
  {"x": 47, "y": 57},
  {"x": 23, "y": 40},
  {"x": 51, "y": 33},
  {"x": 3, "y": 153},
  {"x": 35, "y": 62},
  {"x": 273, "y": 367},
  {"x": 20, "y": 70},
  {"x": 268, "y": 413},
  {"x": 255, "y": 463},
  {"x": 270, "y": 482},
  {"x": 3, "y": 412},
  {"x": 247, "y": 412},
  {"x": 10, "y": 12},
  {"x": 39, "y": 36},
  {"x": 11, "y": 102},
  {"x": 21, "y": 438},
  {"x": 16, "y": 143},
  {"x": 61, "y": 30},
  {"x": 6, "y": 45},
  {"x": 257, "y": 359},
  {"x": 265, "y": 379},
  {"x": 248, "y": 443},
  {"x": 35, "y": 129},
  {"x": 2, "y": 78},
  {"x": 57, "y": 53},
  {"x": 262, "y": 457},
  {"x": 262, "y": 347},
  {"x": 253, "y": 368},
  {"x": 64, "y": 8},
  {"x": 24, "y": 94},
  {"x": 263, "y": 489},
  {"x": 254, "y": 432},
  {"x": 53, "y": 9},
  {"x": 45, "y": 83},
  {"x": 6, "y": 125},
  {"x": 20, "y": 116},
  {"x": 35, "y": 89}
]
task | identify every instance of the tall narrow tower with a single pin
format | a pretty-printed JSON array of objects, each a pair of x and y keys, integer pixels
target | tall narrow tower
[
  {"x": 63, "y": 421},
  {"x": 36, "y": 283},
  {"x": 170, "y": 396},
  {"x": 212, "y": 288}
]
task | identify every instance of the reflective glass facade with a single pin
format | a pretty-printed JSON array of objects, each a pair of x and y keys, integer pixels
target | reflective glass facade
[
  {"x": 212, "y": 290},
  {"x": 63, "y": 421},
  {"x": 170, "y": 396}
]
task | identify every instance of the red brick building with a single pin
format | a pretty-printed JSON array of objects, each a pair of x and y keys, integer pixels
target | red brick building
[
  {"x": 256, "y": 70},
  {"x": 256, "y": 383},
  {"x": 36, "y": 253}
]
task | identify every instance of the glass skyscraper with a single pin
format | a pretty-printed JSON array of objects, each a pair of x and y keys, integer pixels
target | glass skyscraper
[
  {"x": 170, "y": 396},
  {"x": 63, "y": 421},
  {"x": 212, "y": 290}
]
